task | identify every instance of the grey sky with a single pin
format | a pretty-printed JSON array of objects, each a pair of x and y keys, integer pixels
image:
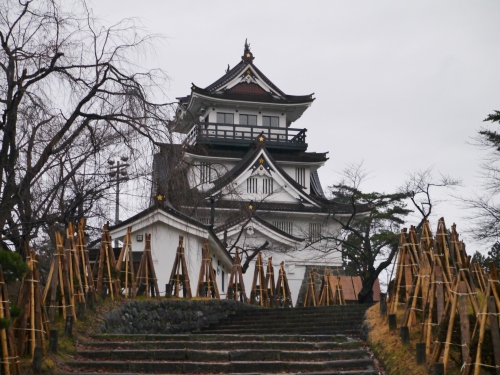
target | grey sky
[{"x": 402, "y": 85}]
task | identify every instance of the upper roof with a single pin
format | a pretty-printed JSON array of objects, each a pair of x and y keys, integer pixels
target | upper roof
[{"x": 244, "y": 83}]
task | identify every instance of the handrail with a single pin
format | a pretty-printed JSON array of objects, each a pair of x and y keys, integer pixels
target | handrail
[{"x": 248, "y": 132}]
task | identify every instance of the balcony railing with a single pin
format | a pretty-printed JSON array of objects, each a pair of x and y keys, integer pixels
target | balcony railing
[{"x": 233, "y": 134}]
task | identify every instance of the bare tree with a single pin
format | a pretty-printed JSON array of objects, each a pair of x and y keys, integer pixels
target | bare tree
[
  {"x": 71, "y": 95},
  {"x": 420, "y": 188},
  {"x": 483, "y": 203}
]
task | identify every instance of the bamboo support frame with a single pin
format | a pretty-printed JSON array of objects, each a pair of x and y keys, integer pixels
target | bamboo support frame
[
  {"x": 207, "y": 277},
  {"x": 180, "y": 273}
]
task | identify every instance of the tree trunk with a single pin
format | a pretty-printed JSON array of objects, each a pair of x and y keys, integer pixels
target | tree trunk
[{"x": 366, "y": 293}]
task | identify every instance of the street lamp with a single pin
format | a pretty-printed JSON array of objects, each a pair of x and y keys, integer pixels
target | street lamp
[{"x": 118, "y": 173}]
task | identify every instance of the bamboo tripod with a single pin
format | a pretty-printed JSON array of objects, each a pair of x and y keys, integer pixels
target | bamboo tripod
[
  {"x": 258, "y": 295},
  {"x": 179, "y": 278},
  {"x": 270, "y": 282},
  {"x": 147, "y": 282},
  {"x": 106, "y": 267},
  {"x": 311, "y": 298},
  {"x": 10, "y": 359},
  {"x": 58, "y": 280},
  {"x": 125, "y": 265},
  {"x": 32, "y": 329},
  {"x": 331, "y": 291},
  {"x": 207, "y": 282},
  {"x": 72, "y": 263},
  {"x": 236, "y": 285},
  {"x": 283, "y": 293},
  {"x": 87, "y": 276}
]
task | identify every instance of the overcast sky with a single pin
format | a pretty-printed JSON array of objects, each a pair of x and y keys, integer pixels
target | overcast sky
[{"x": 401, "y": 85}]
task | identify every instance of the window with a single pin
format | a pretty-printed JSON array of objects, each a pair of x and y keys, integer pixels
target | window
[
  {"x": 252, "y": 185},
  {"x": 271, "y": 121},
  {"x": 267, "y": 186},
  {"x": 204, "y": 220},
  {"x": 225, "y": 118},
  {"x": 300, "y": 176},
  {"x": 222, "y": 277},
  {"x": 205, "y": 173},
  {"x": 285, "y": 226},
  {"x": 315, "y": 230},
  {"x": 248, "y": 119}
]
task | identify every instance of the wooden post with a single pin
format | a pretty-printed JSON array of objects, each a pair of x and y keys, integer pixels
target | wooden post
[
  {"x": 439, "y": 368},
  {"x": 383, "y": 305},
  {"x": 68, "y": 326},
  {"x": 53, "y": 342},
  {"x": 393, "y": 324},
  {"x": 404, "y": 334},
  {"x": 37, "y": 360},
  {"x": 421, "y": 349}
]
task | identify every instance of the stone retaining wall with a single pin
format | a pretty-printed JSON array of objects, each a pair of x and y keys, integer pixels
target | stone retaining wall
[{"x": 168, "y": 316}]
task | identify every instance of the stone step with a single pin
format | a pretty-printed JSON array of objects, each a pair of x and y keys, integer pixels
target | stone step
[
  {"x": 224, "y": 337},
  {"x": 342, "y": 316},
  {"x": 221, "y": 367},
  {"x": 335, "y": 372},
  {"x": 221, "y": 328},
  {"x": 284, "y": 323},
  {"x": 306, "y": 310},
  {"x": 348, "y": 331},
  {"x": 223, "y": 355},
  {"x": 223, "y": 345}
]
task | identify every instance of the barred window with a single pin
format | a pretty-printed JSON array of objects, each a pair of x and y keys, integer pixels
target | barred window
[
  {"x": 204, "y": 220},
  {"x": 205, "y": 173},
  {"x": 267, "y": 186},
  {"x": 285, "y": 226},
  {"x": 300, "y": 176},
  {"x": 252, "y": 185},
  {"x": 315, "y": 230}
]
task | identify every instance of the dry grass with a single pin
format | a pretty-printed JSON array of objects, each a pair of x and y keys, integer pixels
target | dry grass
[{"x": 398, "y": 359}]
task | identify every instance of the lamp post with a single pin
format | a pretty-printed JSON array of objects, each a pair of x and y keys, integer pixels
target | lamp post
[{"x": 118, "y": 173}]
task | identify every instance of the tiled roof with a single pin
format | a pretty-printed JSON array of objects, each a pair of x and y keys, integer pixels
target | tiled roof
[
  {"x": 174, "y": 212},
  {"x": 260, "y": 220},
  {"x": 252, "y": 97},
  {"x": 248, "y": 91},
  {"x": 240, "y": 152}
]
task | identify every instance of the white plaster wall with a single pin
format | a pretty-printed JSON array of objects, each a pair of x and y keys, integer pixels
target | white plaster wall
[{"x": 164, "y": 243}]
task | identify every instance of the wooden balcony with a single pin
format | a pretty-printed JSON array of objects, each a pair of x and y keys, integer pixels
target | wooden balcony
[{"x": 243, "y": 135}]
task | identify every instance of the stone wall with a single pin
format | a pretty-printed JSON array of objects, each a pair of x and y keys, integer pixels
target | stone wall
[{"x": 168, "y": 316}]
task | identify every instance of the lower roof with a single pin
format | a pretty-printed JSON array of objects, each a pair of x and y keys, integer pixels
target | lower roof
[{"x": 240, "y": 152}]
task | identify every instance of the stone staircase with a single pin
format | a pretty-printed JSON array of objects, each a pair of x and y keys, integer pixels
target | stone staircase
[
  {"x": 327, "y": 320},
  {"x": 263, "y": 341}
]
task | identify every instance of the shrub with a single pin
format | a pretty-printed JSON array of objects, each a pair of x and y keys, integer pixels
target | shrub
[{"x": 13, "y": 265}]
